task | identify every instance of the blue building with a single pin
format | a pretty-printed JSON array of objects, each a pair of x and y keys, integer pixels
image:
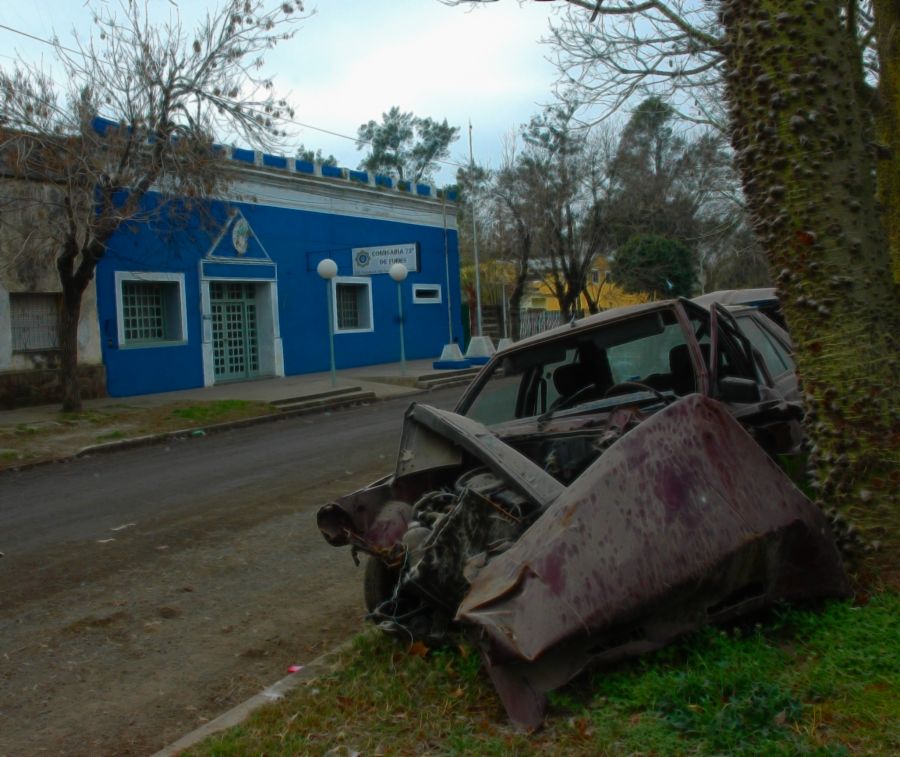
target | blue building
[{"x": 237, "y": 296}]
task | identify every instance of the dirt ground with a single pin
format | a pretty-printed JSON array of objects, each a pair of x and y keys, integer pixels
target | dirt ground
[{"x": 168, "y": 625}]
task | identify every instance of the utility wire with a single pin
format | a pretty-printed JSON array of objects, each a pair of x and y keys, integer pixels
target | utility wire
[
  {"x": 41, "y": 40},
  {"x": 57, "y": 45}
]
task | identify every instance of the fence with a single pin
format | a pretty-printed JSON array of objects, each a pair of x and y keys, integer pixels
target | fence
[{"x": 535, "y": 321}]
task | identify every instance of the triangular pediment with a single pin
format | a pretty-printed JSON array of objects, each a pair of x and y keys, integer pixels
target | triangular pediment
[{"x": 238, "y": 242}]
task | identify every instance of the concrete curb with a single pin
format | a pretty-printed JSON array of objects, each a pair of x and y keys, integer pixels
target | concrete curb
[
  {"x": 186, "y": 433},
  {"x": 168, "y": 436},
  {"x": 238, "y": 714}
]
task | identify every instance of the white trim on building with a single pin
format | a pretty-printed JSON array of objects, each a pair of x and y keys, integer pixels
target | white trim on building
[
  {"x": 176, "y": 332},
  {"x": 359, "y": 303}
]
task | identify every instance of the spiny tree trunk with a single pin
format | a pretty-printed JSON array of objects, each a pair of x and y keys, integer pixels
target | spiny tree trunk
[
  {"x": 887, "y": 121},
  {"x": 796, "y": 122}
]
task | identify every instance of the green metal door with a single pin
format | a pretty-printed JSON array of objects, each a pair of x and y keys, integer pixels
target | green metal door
[{"x": 234, "y": 332}]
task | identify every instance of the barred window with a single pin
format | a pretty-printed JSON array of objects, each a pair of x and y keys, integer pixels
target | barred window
[
  {"x": 151, "y": 309},
  {"x": 34, "y": 319},
  {"x": 353, "y": 304}
]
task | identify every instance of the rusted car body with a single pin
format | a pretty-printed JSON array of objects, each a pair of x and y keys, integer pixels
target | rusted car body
[{"x": 583, "y": 503}]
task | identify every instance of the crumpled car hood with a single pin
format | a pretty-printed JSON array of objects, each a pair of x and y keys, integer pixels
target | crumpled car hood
[{"x": 683, "y": 521}]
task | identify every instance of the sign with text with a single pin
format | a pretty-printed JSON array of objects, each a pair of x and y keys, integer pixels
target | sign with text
[{"x": 370, "y": 260}]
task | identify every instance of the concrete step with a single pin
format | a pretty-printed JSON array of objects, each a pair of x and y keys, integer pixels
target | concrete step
[
  {"x": 448, "y": 374},
  {"x": 313, "y": 403},
  {"x": 336, "y": 392},
  {"x": 446, "y": 378},
  {"x": 426, "y": 380}
]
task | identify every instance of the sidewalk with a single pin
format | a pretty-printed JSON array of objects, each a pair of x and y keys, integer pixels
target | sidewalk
[
  {"x": 384, "y": 380},
  {"x": 37, "y": 434}
]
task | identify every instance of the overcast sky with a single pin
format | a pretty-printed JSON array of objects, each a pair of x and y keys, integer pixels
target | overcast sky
[{"x": 354, "y": 59}]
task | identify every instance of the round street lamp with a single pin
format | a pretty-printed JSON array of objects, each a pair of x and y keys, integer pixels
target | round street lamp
[
  {"x": 398, "y": 273},
  {"x": 328, "y": 269}
]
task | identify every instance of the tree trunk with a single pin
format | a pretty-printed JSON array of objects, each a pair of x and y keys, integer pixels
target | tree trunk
[
  {"x": 515, "y": 307},
  {"x": 68, "y": 342},
  {"x": 568, "y": 304},
  {"x": 74, "y": 280},
  {"x": 798, "y": 130},
  {"x": 887, "y": 122}
]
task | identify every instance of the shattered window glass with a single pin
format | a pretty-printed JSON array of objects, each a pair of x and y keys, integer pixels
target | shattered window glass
[
  {"x": 523, "y": 386},
  {"x": 777, "y": 359},
  {"x": 648, "y": 356}
]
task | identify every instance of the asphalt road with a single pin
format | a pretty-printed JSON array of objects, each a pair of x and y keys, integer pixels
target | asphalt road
[
  {"x": 143, "y": 592},
  {"x": 83, "y": 499}
]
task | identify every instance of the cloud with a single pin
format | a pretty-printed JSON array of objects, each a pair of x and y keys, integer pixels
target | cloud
[{"x": 354, "y": 59}]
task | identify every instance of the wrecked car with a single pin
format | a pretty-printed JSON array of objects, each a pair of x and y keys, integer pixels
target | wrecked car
[{"x": 599, "y": 490}]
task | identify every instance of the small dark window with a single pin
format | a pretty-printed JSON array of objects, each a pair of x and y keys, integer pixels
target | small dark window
[{"x": 426, "y": 293}]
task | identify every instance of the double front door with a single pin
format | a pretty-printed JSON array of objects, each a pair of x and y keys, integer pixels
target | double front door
[{"x": 234, "y": 330}]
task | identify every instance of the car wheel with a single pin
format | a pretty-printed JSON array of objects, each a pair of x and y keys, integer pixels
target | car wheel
[{"x": 379, "y": 583}]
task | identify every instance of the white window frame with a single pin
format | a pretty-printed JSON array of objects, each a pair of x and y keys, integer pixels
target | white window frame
[
  {"x": 363, "y": 280},
  {"x": 149, "y": 277},
  {"x": 419, "y": 300}
]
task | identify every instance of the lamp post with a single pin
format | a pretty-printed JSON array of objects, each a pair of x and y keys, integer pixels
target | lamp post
[
  {"x": 327, "y": 269},
  {"x": 398, "y": 273}
]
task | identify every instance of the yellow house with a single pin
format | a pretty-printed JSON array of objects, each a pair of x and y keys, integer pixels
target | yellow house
[
  {"x": 539, "y": 307},
  {"x": 540, "y": 296}
]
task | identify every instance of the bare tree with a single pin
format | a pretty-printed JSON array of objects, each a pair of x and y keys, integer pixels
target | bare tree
[
  {"x": 135, "y": 128},
  {"x": 515, "y": 225},
  {"x": 571, "y": 187},
  {"x": 671, "y": 50}
]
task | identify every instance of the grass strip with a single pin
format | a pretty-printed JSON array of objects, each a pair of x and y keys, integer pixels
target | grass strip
[{"x": 798, "y": 682}]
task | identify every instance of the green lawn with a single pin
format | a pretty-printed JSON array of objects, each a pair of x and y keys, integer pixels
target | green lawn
[{"x": 798, "y": 682}]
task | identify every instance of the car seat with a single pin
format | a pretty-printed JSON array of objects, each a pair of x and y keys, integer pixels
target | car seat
[{"x": 681, "y": 366}]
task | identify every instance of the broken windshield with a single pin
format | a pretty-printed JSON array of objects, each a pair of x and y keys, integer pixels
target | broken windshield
[{"x": 647, "y": 352}]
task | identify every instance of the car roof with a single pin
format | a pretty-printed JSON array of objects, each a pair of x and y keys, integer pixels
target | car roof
[
  {"x": 761, "y": 295},
  {"x": 589, "y": 322}
]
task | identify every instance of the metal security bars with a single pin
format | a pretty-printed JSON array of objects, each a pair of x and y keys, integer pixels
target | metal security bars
[
  {"x": 353, "y": 306},
  {"x": 34, "y": 321},
  {"x": 144, "y": 311}
]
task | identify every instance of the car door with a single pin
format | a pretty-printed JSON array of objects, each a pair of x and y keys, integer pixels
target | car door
[{"x": 773, "y": 345}]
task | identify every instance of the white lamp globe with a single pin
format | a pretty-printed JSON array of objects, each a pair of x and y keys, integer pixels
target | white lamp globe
[
  {"x": 398, "y": 272},
  {"x": 327, "y": 268}
]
